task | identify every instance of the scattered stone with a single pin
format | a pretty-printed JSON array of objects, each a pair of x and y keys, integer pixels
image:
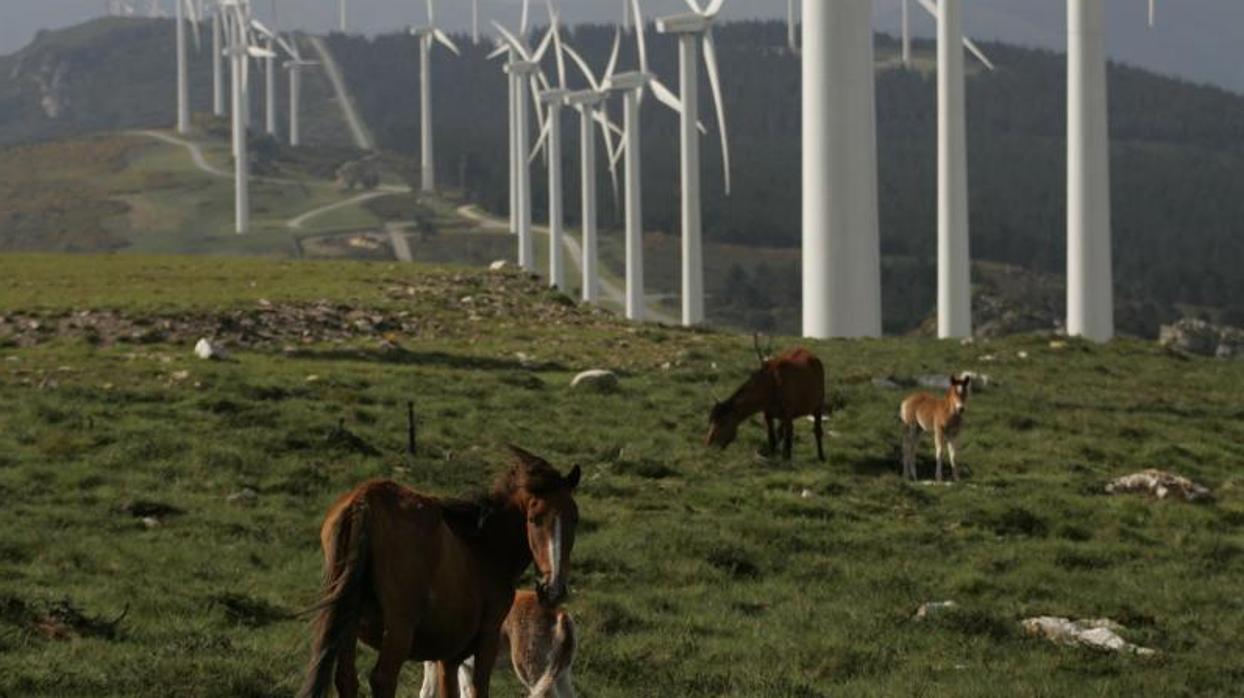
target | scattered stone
[
  {"x": 1201, "y": 338},
  {"x": 1022, "y": 354},
  {"x": 180, "y": 376},
  {"x": 599, "y": 380},
  {"x": 1095, "y": 633},
  {"x": 806, "y": 494},
  {"x": 885, "y": 384},
  {"x": 1160, "y": 484},
  {"x": 206, "y": 350},
  {"x": 1058, "y": 345},
  {"x": 524, "y": 359},
  {"x": 151, "y": 522},
  {"x": 933, "y": 608},
  {"x": 243, "y": 496},
  {"x": 499, "y": 265}
]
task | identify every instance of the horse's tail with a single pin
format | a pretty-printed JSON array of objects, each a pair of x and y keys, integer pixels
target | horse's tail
[
  {"x": 561, "y": 657},
  {"x": 337, "y": 612}
]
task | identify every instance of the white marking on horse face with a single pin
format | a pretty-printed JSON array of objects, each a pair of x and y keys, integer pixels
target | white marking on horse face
[{"x": 555, "y": 550}]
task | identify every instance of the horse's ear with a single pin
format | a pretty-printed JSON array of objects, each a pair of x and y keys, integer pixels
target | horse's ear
[
  {"x": 527, "y": 458},
  {"x": 573, "y": 477}
]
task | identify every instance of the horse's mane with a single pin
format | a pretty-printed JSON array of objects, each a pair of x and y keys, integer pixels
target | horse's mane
[{"x": 528, "y": 472}]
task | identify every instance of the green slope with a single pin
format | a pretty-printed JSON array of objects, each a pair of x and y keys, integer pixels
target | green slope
[{"x": 696, "y": 573}]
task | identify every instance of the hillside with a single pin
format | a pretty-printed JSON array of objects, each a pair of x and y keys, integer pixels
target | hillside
[
  {"x": 1178, "y": 197},
  {"x": 162, "y": 517}
]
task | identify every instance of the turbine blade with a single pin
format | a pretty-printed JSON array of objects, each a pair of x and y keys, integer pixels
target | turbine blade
[
  {"x": 639, "y": 33},
  {"x": 431, "y": 13},
  {"x": 557, "y": 48},
  {"x": 475, "y": 21},
  {"x": 980, "y": 55},
  {"x": 446, "y": 41},
  {"x": 514, "y": 44},
  {"x": 792, "y": 26},
  {"x": 522, "y": 24},
  {"x": 665, "y": 95},
  {"x": 714, "y": 6},
  {"x": 613, "y": 56},
  {"x": 541, "y": 142},
  {"x": 714, "y": 81},
  {"x": 587, "y": 72},
  {"x": 544, "y": 44},
  {"x": 502, "y": 49}
]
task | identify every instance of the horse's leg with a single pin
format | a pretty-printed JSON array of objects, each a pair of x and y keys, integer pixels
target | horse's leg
[
  {"x": 486, "y": 657},
  {"x": 394, "y": 649},
  {"x": 788, "y": 433},
  {"x": 466, "y": 674},
  {"x": 820, "y": 433},
  {"x": 938, "y": 442},
  {"x": 565, "y": 686},
  {"x": 772, "y": 434},
  {"x": 450, "y": 687},
  {"x": 347, "y": 678},
  {"x": 950, "y": 449},
  {"x": 428, "y": 690}
]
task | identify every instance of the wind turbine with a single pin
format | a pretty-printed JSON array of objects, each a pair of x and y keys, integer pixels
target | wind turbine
[
  {"x": 551, "y": 136},
  {"x": 273, "y": 41},
  {"x": 426, "y": 36},
  {"x": 240, "y": 50},
  {"x": 589, "y": 103},
  {"x": 341, "y": 15},
  {"x": 1090, "y": 289},
  {"x": 691, "y": 29},
  {"x": 954, "y": 266},
  {"x": 218, "y": 88},
  {"x": 841, "y": 237},
  {"x": 295, "y": 65},
  {"x": 631, "y": 85},
  {"x": 184, "y": 7}
]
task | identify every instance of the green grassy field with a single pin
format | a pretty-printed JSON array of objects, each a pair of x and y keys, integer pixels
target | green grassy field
[{"x": 696, "y": 572}]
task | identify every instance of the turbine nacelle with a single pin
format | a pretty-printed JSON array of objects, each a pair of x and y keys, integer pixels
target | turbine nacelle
[
  {"x": 625, "y": 82},
  {"x": 684, "y": 24},
  {"x": 584, "y": 98},
  {"x": 554, "y": 96}
]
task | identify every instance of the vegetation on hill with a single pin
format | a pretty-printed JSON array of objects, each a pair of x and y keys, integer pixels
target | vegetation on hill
[
  {"x": 1176, "y": 156},
  {"x": 161, "y": 524}
]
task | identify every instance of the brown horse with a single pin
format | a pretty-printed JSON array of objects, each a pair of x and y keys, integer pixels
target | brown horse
[
  {"x": 783, "y": 388},
  {"x": 423, "y": 578},
  {"x": 541, "y": 644},
  {"x": 941, "y": 416}
]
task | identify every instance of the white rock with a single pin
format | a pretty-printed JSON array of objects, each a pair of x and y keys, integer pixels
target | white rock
[
  {"x": 596, "y": 379},
  {"x": 933, "y": 608},
  {"x": 1160, "y": 484},
  {"x": 806, "y": 494},
  {"x": 206, "y": 350},
  {"x": 1096, "y": 633},
  {"x": 498, "y": 265},
  {"x": 151, "y": 522},
  {"x": 243, "y": 496}
]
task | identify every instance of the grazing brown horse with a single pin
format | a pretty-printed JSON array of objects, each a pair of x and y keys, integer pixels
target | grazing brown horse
[
  {"x": 423, "y": 578},
  {"x": 942, "y": 416},
  {"x": 783, "y": 388},
  {"x": 541, "y": 644}
]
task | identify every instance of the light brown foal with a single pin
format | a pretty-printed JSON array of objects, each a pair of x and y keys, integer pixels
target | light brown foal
[{"x": 942, "y": 416}]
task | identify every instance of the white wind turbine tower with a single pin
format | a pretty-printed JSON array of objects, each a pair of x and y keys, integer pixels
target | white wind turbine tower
[
  {"x": 218, "y": 87},
  {"x": 551, "y": 136},
  {"x": 426, "y": 36},
  {"x": 1090, "y": 291},
  {"x": 184, "y": 7},
  {"x": 273, "y": 40},
  {"x": 589, "y": 103},
  {"x": 523, "y": 68},
  {"x": 691, "y": 29},
  {"x": 341, "y": 15},
  {"x": 504, "y": 49},
  {"x": 954, "y": 266},
  {"x": 295, "y": 66},
  {"x": 240, "y": 50},
  {"x": 632, "y": 86},
  {"x": 841, "y": 238}
]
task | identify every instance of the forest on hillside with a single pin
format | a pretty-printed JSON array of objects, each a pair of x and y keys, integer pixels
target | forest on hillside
[
  {"x": 1177, "y": 162},
  {"x": 1177, "y": 155}
]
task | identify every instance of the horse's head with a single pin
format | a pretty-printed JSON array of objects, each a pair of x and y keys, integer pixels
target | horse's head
[
  {"x": 723, "y": 426},
  {"x": 552, "y": 517},
  {"x": 960, "y": 388}
]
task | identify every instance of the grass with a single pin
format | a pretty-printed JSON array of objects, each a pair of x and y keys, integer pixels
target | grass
[{"x": 697, "y": 573}]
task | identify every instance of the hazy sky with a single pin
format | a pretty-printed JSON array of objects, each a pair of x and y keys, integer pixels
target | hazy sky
[{"x": 1199, "y": 39}]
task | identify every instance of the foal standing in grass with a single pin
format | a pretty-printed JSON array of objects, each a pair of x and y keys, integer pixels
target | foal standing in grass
[
  {"x": 942, "y": 416},
  {"x": 783, "y": 388},
  {"x": 541, "y": 644}
]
